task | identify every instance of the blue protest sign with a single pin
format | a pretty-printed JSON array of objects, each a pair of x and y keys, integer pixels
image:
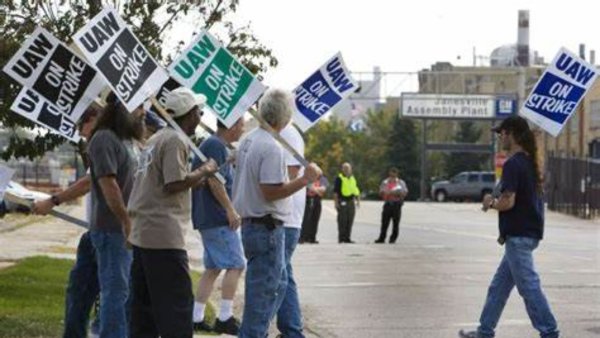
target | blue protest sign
[
  {"x": 323, "y": 90},
  {"x": 559, "y": 90}
]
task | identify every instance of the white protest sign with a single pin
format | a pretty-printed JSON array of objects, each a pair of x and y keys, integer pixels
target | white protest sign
[
  {"x": 35, "y": 108},
  {"x": 208, "y": 68},
  {"x": 322, "y": 91},
  {"x": 558, "y": 91},
  {"x": 127, "y": 66},
  {"x": 6, "y": 175},
  {"x": 47, "y": 66}
]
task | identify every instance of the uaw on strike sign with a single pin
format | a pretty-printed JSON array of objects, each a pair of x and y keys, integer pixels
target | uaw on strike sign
[
  {"x": 558, "y": 92},
  {"x": 208, "y": 68},
  {"x": 47, "y": 67},
  {"x": 324, "y": 89},
  {"x": 127, "y": 66},
  {"x": 37, "y": 109}
]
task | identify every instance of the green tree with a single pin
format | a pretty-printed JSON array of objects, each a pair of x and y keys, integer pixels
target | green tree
[
  {"x": 456, "y": 162},
  {"x": 403, "y": 153},
  {"x": 151, "y": 21}
]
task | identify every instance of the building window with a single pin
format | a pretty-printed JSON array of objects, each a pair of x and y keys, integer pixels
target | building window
[{"x": 594, "y": 114}]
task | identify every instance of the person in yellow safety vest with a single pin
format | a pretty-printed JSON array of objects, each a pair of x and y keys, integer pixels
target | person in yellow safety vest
[{"x": 346, "y": 196}]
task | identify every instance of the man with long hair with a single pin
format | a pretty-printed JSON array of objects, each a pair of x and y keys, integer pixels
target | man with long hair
[
  {"x": 521, "y": 222},
  {"x": 82, "y": 288},
  {"x": 112, "y": 165}
]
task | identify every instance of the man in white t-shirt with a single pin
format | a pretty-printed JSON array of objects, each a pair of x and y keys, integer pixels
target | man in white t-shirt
[
  {"x": 261, "y": 191},
  {"x": 289, "y": 317}
]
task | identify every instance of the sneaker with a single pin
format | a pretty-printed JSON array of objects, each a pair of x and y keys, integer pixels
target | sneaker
[
  {"x": 379, "y": 241},
  {"x": 468, "y": 334},
  {"x": 230, "y": 326},
  {"x": 202, "y": 326}
]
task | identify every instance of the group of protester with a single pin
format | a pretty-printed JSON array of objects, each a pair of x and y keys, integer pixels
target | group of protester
[{"x": 144, "y": 193}]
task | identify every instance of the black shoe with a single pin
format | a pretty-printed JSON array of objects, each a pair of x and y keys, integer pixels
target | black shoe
[
  {"x": 350, "y": 241},
  {"x": 379, "y": 241},
  {"x": 230, "y": 326},
  {"x": 202, "y": 326},
  {"x": 468, "y": 334}
]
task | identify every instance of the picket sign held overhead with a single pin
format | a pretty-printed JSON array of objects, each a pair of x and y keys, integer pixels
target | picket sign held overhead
[
  {"x": 186, "y": 139},
  {"x": 35, "y": 108},
  {"x": 210, "y": 69},
  {"x": 128, "y": 68},
  {"x": 559, "y": 90},
  {"x": 51, "y": 69},
  {"x": 322, "y": 91}
]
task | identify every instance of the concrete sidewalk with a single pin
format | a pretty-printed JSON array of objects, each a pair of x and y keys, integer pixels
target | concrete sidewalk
[{"x": 430, "y": 284}]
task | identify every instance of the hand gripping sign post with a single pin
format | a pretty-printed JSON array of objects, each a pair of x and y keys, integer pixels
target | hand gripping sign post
[
  {"x": 558, "y": 91},
  {"x": 210, "y": 69},
  {"x": 50, "y": 69},
  {"x": 34, "y": 107},
  {"x": 322, "y": 91},
  {"x": 127, "y": 66}
]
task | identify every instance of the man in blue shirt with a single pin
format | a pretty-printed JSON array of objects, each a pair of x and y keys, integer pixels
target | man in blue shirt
[
  {"x": 521, "y": 222},
  {"x": 214, "y": 216}
]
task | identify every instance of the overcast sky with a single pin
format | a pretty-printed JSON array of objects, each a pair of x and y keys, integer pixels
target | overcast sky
[{"x": 408, "y": 36}]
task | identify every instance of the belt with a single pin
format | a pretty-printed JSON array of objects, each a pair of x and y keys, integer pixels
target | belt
[{"x": 269, "y": 221}]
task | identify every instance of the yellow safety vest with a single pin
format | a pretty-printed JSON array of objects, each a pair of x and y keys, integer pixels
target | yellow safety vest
[{"x": 349, "y": 187}]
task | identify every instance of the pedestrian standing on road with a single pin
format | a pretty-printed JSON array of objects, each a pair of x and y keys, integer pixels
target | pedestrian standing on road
[
  {"x": 346, "y": 197},
  {"x": 261, "y": 191},
  {"x": 113, "y": 159},
  {"x": 159, "y": 206},
  {"x": 217, "y": 221},
  {"x": 393, "y": 191},
  {"x": 521, "y": 222},
  {"x": 312, "y": 212},
  {"x": 289, "y": 316},
  {"x": 82, "y": 286}
]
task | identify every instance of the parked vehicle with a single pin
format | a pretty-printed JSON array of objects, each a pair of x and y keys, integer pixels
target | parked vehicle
[{"x": 465, "y": 185}]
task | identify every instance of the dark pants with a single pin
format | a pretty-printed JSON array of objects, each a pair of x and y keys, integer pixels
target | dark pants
[
  {"x": 391, "y": 211},
  {"x": 162, "y": 294},
  {"x": 345, "y": 219},
  {"x": 82, "y": 290},
  {"x": 310, "y": 223}
]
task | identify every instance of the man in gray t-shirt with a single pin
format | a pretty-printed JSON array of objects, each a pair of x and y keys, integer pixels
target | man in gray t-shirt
[
  {"x": 112, "y": 164},
  {"x": 261, "y": 191}
]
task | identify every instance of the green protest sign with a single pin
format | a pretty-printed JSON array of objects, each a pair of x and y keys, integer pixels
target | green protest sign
[{"x": 210, "y": 69}]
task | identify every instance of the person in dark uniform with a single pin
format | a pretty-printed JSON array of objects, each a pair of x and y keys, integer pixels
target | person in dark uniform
[{"x": 312, "y": 212}]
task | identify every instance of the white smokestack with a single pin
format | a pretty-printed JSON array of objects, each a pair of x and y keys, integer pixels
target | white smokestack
[{"x": 523, "y": 39}]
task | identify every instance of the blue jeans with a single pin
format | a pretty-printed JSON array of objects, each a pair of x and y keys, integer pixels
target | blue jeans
[
  {"x": 82, "y": 290},
  {"x": 266, "y": 279},
  {"x": 114, "y": 264},
  {"x": 517, "y": 268},
  {"x": 289, "y": 317}
]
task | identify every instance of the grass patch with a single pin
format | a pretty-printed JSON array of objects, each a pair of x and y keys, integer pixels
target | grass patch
[{"x": 32, "y": 297}]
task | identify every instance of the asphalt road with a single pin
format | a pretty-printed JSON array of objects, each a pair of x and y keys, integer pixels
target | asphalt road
[{"x": 433, "y": 281}]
